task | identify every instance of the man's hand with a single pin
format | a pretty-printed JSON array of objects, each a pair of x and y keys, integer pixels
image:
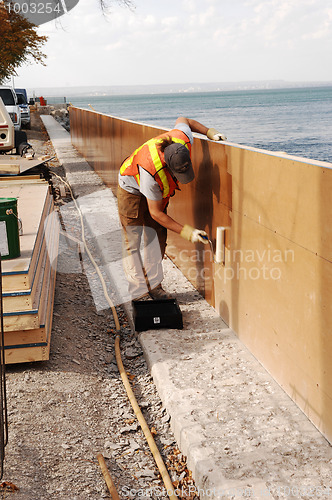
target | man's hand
[
  {"x": 194, "y": 235},
  {"x": 214, "y": 135}
]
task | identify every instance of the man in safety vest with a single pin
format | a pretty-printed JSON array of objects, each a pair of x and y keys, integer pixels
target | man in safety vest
[{"x": 147, "y": 180}]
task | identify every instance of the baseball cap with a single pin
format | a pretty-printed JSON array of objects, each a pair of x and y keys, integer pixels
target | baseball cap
[{"x": 177, "y": 158}]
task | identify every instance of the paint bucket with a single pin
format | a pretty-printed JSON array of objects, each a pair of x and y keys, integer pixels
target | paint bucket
[{"x": 9, "y": 229}]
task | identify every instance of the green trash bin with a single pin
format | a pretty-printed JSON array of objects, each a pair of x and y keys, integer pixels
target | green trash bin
[{"x": 9, "y": 229}]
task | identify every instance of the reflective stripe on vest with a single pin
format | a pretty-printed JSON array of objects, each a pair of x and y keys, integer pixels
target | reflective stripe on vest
[
  {"x": 129, "y": 168},
  {"x": 159, "y": 166}
]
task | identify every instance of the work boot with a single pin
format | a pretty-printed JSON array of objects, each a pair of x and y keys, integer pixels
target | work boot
[
  {"x": 159, "y": 293},
  {"x": 142, "y": 298}
]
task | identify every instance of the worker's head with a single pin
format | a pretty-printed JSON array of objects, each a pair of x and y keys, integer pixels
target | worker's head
[{"x": 177, "y": 158}]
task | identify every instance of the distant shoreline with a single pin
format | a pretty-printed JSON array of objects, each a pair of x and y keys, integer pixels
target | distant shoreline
[{"x": 185, "y": 88}]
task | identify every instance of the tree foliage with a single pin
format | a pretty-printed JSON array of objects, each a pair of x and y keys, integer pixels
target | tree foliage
[
  {"x": 107, "y": 4},
  {"x": 19, "y": 42}
]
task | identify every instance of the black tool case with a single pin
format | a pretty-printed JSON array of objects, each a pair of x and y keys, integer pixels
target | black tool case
[{"x": 153, "y": 314}]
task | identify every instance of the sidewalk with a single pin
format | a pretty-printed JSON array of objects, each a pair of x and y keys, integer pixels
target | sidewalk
[{"x": 242, "y": 435}]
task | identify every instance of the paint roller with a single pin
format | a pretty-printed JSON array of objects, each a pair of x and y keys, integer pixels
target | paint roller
[{"x": 220, "y": 245}]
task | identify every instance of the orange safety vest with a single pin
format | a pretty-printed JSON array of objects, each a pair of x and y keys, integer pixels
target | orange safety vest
[{"x": 150, "y": 158}]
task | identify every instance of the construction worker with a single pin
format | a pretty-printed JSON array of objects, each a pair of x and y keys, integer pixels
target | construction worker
[{"x": 147, "y": 180}]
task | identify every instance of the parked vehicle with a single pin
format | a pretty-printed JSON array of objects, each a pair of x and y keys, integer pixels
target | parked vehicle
[
  {"x": 10, "y": 100},
  {"x": 12, "y": 141},
  {"x": 25, "y": 109},
  {"x": 22, "y": 91},
  {"x": 16, "y": 154}
]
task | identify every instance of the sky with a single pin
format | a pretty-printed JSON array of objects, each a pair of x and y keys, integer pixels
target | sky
[{"x": 180, "y": 41}]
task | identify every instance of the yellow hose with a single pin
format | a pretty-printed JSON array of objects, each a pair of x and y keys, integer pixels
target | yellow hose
[
  {"x": 107, "y": 477},
  {"x": 145, "y": 428}
]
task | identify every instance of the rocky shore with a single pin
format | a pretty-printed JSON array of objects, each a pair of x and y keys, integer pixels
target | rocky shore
[{"x": 62, "y": 116}]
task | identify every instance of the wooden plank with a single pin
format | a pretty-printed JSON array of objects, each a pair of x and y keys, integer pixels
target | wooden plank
[
  {"x": 26, "y": 164},
  {"x": 25, "y": 338},
  {"x": 49, "y": 280},
  {"x": 23, "y": 178},
  {"x": 14, "y": 165},
  {"x": 27, "y": 354},
  {"x": 28, "y": 320},
  {"x": 9, "y": 168},
  {"x": 10, "y": 181}
]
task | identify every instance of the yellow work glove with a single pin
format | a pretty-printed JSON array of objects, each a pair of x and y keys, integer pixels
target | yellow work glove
[
  {"x": 194, "y": 235},
  {"x": 214, "y": 135}
]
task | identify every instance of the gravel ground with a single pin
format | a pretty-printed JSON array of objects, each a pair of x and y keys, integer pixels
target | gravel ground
[{"x": 65, "y": 411}]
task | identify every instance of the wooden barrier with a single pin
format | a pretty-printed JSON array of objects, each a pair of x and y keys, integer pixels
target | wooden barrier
[{"x": 275, "y": 286}]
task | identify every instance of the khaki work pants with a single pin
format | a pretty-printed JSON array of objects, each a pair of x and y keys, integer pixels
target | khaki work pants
[{"x": 143, "y": 244}]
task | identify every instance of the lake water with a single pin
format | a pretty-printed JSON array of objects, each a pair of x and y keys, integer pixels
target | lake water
[{"x": 297, "y": 121}]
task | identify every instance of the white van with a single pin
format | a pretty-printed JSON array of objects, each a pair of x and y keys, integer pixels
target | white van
[{"x": 9, "y": 98}]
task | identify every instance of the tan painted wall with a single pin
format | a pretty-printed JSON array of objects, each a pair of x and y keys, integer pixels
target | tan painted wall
[{"x": 275, "y": 289}]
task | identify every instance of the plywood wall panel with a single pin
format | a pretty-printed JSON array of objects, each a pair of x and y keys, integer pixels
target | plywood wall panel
[{"x": 287, "y": 196}]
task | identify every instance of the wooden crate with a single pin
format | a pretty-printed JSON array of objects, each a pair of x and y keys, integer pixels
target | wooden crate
[{"x": 29, "y": 281}]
